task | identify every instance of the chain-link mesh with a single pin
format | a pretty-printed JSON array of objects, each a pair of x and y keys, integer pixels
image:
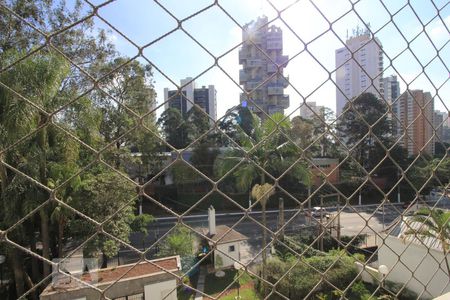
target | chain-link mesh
[{"x": 163, "y": 200}]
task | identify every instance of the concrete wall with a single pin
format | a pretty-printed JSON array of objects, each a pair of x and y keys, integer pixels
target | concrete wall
[
  {"x": 159, "y": 290},
  {"x": 228, "y": 262},
  {"x": 415, "y": 265},
  {"x": 368, "y": 274}
]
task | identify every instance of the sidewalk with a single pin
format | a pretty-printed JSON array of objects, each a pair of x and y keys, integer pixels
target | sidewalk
[{"x": 201, "y": 283}]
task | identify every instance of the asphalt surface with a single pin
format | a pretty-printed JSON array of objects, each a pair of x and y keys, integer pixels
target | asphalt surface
[{"x": 352, "y": 222}]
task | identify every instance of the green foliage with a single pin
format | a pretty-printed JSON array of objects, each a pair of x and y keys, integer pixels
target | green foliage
[
  {"x": 361, "y": 114},
  {"x": 181, "y": 130},
  {"x": 339, "y": 270},
  {"x": 179, "y": 242},
  {"x": 268, "y": 148},
  {"x": 102, "y": 195},
  {"x": 359, "y": 291},
  {"x": 140, "y": 223}
]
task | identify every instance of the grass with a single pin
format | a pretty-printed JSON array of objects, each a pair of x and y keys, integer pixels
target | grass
[
  {"x": 214, "y": 286},
  {"x": 246, "y": 294}
]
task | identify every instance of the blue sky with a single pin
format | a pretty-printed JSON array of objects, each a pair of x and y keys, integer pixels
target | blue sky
[{"x": 178, "y": 56}]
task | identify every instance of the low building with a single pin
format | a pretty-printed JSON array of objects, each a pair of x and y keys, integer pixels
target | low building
[
  {"x": 325, "y": 167},
  {"x": 228, "y": 241},
  {"x": 415, "y": 262},
  {"x": 149, "y": 280}
]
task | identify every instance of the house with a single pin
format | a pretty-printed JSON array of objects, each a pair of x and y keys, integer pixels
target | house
[
  {"x": 148, "y": 280},
  {"x": 229, "y": 242},
  {"x": 417, "y": 262}
]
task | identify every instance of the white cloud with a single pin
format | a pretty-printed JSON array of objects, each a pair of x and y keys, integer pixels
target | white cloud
[{"x": 438, "y": 29}]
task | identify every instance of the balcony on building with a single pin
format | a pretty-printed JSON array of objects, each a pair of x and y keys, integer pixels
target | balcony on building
[
  {"x": 243, "y": 55},
  {"x": 250, "y": 85},
  {"x": 282, "y": 60},
  {"x": 274, "y": 44},
  {"x": 283, "y": 81},
  {"x": 254, "y": 62},
  {"x": 271, "y": 68},
  {"x": 284, "y": 101},
  {"x": 275, "y": 90},
  {"x": 243, "y": 77}
]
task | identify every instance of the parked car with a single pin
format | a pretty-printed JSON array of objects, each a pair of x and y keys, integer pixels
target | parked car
[{"x": 316, "y": 211}]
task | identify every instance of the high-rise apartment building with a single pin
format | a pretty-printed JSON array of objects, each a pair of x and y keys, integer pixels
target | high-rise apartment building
[
  {"x": 440, "y": 120},
  {"x": 359, "y": 68},
  {"x": 311, "y": 110},
  {"x": 205, "y": 97},
  {"x": 262, "y": 60},
  {"x": 391, "y": 88},
  {"x": 414, "y": 111}
]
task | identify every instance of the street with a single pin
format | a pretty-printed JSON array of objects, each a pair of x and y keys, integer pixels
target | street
[{"x": 352, "y": 221}]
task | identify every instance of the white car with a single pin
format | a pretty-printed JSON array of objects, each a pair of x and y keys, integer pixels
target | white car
[{"x": 316, "y": 211}]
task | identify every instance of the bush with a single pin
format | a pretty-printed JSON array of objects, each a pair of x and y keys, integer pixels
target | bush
[{"x": 304, "y": 277}]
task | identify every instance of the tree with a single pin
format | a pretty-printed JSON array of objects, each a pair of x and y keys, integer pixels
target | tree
[
  {"x": 204, "y": 154},
  {"x": 197, "y": 123},
  {"x": 102, "y": 194},
  {"x": 270, "y": 150},
  {"x": 129, "y": 96},
  {"x": 37, "y": 78},
  {"x": 435, "y": 223},
  {"x": 262, "y": 193},
  {"x": 181, "y": 130},
  {"x": 174, "y": 128},
  {"x": 236, "y": 121},
  {"x": 363, "y": 122},
  {"x": 302, "y": 132},
  {"x": 179, "y": 242}
]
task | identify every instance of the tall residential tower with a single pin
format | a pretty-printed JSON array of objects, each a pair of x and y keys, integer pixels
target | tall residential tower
[
  {"x": 262, "y": 60},
  {"x": 205, "y": 97},
  {"x": 414, "y": 111},
  {"x": 359, "y": 68}
]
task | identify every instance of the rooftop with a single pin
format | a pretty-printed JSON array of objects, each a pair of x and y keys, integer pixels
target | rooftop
[
  {"x": 225, "y": 234},
  {"x": 405, "y": 224},
  {"x": 110, "y": 275}
]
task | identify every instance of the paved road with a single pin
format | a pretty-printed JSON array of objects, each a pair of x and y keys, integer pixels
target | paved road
[{"x": 353, "y": 221}]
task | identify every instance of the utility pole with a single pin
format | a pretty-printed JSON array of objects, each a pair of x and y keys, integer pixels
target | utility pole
[
  {"x": 321, "y": 224},
  {"x": 281, "y": 217}
]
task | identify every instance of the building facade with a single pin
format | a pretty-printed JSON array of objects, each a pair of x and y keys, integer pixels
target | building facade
[
  {"x": 391, "y": 89},
  {"x": 204, "y": 97},
  {"x": 439, "y": 122},
  {"x": 311, "y": 110},
  {"x": 359, "y": 68},
  {"x": 414, "y": 111},
  {"x": 262, "y": 60}
]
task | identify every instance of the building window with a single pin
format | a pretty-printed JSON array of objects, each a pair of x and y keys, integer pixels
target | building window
[{"x": 231, "y": 248}]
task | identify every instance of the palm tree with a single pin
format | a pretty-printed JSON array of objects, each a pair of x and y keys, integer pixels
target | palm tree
[
  {"x": 269, "y": 149},
  {"x": 38, "y": 79},
  {"x": 435, "y": 224}
]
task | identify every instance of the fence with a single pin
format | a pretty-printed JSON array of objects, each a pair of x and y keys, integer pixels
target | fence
[{"x": 97, "y": 160}]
